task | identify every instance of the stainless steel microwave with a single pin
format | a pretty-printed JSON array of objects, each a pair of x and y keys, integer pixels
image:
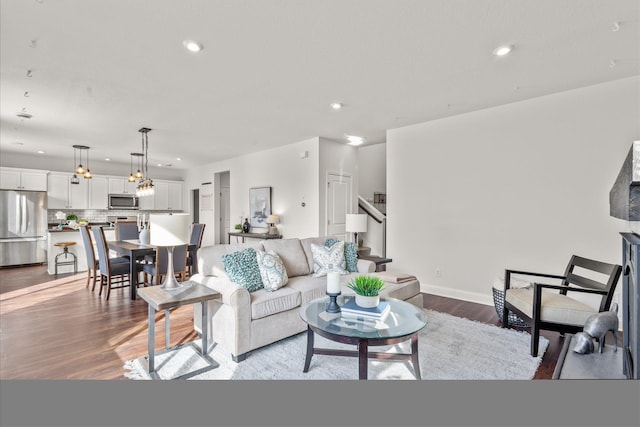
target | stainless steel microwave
[{"x": 123, "y": 201}]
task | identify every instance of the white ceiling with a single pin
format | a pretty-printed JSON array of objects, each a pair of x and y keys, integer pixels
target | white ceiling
[{"x": 100, "y": 70}]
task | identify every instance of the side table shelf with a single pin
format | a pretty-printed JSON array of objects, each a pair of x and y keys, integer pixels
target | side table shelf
[{"x": 573, "y": 366}]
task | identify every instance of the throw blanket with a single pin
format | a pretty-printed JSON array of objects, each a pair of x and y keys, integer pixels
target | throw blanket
[{"x": 392, "y": 277}]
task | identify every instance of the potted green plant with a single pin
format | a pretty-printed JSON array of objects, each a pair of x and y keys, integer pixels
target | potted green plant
[
  {"x": 238, "y": 227},
  {"x": 367, "y": 289}
]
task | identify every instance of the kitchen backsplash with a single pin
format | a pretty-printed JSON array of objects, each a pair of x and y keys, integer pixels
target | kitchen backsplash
[{"x": 90, "y": 215}]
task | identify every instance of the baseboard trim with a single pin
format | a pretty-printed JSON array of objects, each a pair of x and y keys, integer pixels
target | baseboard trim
[{"x": 458, "y": 294}]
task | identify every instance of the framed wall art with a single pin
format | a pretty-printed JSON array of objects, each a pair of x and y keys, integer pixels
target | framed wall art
[{"x": 259, "y": 206}]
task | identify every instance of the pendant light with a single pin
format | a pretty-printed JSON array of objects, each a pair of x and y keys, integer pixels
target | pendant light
[
  {"x": 132, "y": 176},
  {"x": 87, "y": 174},
  {"x": 80, "y": 169},
  {"x": 145, "y": 186},
  {"x": 74, "y": 178}
]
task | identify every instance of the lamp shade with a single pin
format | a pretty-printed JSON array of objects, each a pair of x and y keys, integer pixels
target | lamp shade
[
  {"x": 273, "y": 219},
  {"x": 356, "y": 223},
  {"x": 169, "y": 229}
]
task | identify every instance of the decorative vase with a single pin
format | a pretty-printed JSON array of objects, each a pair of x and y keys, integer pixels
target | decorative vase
[
  {"x": 246, "y": 226},
  {"x": 144, "y": 236},
  {"x": 367, "y": 301}
]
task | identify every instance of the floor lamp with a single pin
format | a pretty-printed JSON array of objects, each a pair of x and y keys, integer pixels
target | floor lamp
[
  {"x": 169, "y": 230},
  {"x": 356, "y": 223}
]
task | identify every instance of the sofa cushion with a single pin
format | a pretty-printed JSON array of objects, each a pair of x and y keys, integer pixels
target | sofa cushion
[
  {"x": 326, "y": 259},
  {"x": 350, "y": 254},
  {"x": 310, "y": 287},
  {"x": 272, "y": 270},
  {"x": 210, "y": 257},
  {"x": 291, "y": 253},
  {"x": 242, "y": 268},
  {"x": 265, "y": 303}
]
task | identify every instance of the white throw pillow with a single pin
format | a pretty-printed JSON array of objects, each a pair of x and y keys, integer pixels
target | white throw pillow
[
  {"x": 272, "y": 270},
  {"x": 326, "y": 259}
]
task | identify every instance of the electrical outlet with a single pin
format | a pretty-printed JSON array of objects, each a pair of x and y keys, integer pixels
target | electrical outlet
[{"x": 438, "y": 272}]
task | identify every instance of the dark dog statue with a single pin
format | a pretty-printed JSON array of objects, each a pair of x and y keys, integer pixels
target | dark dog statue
[{"x": 597, "y": 325}]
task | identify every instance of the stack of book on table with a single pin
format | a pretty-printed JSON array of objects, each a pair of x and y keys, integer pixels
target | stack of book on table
[{"x": 351, "y": 311}]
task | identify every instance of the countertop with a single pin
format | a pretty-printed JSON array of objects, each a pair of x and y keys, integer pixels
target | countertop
[{"x": 53, "y": 228}]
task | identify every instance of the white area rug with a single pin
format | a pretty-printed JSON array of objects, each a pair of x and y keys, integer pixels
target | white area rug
[{"x": 451, "y": 348}]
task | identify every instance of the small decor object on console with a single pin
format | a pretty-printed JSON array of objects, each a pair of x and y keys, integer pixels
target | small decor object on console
[
  {"x": 246, "y": 227},
  {"x": 367, "y": 289}
]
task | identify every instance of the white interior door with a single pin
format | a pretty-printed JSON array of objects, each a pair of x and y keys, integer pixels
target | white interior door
[
  {"x": 225, "y": 217},
  {"x": 339, "y": 194}
]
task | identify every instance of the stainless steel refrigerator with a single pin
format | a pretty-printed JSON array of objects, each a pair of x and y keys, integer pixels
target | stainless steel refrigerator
[{"x": 23, "y": 227}]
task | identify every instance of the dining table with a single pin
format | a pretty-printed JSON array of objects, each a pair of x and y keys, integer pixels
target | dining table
[{"x": 136, "y": 252}]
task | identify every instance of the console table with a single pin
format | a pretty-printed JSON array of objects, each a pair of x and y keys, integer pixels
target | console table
[
  {"x": 261, "y": 236},
  {"x": 379, "y": 261}
]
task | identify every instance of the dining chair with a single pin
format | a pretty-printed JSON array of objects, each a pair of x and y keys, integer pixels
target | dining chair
[
  {"x": 197, "y": 232},
  {"x": 111, "y": 273},
  {"x": 127, "y": 230},
  {"x": 92, "y": 259},
  {"x": 549, "y": 306},
  {"x": 158, "y": 269}
]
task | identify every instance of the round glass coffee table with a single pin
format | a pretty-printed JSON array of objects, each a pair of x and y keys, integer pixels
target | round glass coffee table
[{"x": 403, "y": 323}]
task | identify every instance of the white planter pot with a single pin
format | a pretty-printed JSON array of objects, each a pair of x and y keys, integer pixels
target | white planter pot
[{"x": 367, "y": 302}]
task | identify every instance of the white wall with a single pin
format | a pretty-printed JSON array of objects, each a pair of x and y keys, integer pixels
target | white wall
[
  {"x": 293, "y": 180},
  {"x": 523, "y": 186},
  {"x": 372, "y": 160}
]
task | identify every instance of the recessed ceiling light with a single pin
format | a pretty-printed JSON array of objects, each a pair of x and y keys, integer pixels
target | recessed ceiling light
[
  {"x": 107, "y": 159},
  {"x": 355, "y": 140},
  {"x": 336, "y": 105},
  {"x": 178, "y": 158},
  {"x": 192, "y": 45},
  {"x": 40, "y": 152},
  {"x": 503, "y": 50}
]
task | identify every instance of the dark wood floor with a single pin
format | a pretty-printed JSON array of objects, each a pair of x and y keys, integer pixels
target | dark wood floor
[{"x": 61, "y": 330}]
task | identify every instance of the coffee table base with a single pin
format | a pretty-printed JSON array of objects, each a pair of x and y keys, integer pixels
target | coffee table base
[{"x": 363, "y": 353}]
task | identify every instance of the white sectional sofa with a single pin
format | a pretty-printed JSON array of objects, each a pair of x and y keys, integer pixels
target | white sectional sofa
[{"x": 241, "y": 321}]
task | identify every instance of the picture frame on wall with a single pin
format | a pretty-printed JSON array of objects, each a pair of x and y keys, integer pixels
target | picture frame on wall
[{"x": 259, "y": 206}]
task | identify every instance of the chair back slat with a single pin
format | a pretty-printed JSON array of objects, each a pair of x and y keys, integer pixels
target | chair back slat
[{"x": 612, "y": 271}]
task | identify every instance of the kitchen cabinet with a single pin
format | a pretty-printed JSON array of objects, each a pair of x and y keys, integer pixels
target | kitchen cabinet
[
  {"x": 61, "y": 194},
  {"x": 98, "y": 193},
  {"x": 118, "y": 185},
  {"x": 167, "y": 197},
  {"x": 23, "y": 179}
]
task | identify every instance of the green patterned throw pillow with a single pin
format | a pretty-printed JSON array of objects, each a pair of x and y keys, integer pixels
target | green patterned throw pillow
[
  {"x": 350, "y": 254},
  {"x": 242, "y": 268},
  {"x": 327, "y": 259},
  {"x": 272, "y": 270}
]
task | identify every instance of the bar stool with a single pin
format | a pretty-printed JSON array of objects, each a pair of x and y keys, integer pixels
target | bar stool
[{"x": 66, "y": 253}]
